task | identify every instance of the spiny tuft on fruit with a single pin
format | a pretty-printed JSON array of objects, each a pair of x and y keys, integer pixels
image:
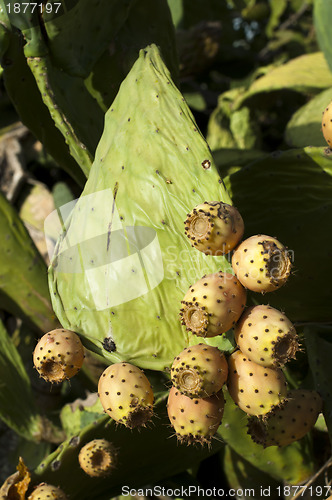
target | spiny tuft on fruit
[
  {"x": 126, "y": 394},
  {"x": 195, "y": 421},
  {"x": 97, "y": 458},
  {"x": 266, "y": 336},
  {"x": 58, "y": 355},
  {"x": 254, "y": 388},
  {"x": 46, "y": 491},
  {"x": 214, "y": 227},
  {"x": 261, "y": 263},
  {"x": 199, "y": 371},
  {"x": 289, "y": 421},
  {"x": 327, "y": 124},
  {"x": 213, "y": 304}
]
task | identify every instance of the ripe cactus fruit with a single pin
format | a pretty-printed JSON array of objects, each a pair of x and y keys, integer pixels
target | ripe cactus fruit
[
  {"x": 46, "y": 491},
  {"x": 266, "y": 336},
  {"x": 254, "y": 388},
  {"x": 213, "y": 304},
  {"x": 292, "y": 419},
  {"x": 97, "y": 458},
  {"x": 199, "y": 371},
  {"x": 126, "y": 394},
  {"x": 214, "y": 227},
  {"x": 327, "y": 124},
  {"x": 261, "y": 263},
  {"x": 195, "y": 420},
  {"x": 58, "y": 355}
]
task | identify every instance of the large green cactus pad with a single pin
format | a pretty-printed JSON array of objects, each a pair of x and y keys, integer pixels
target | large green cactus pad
[{"x": 123, "y": 263}]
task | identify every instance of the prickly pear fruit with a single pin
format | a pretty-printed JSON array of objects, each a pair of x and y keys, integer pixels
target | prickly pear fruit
[
  {"x": 199, "y": 371},
  {"x": 254, "y": 388},
  {"x": 261, "y": 263},
  {"x": 195, "y": 420},
  {"x": 46, "y": 491},
  {"x": 327, "y": 124},
  {"x": 58, "y": 355},
  {"x": 213, "y": 304},
  {"x": 97, "y": 458},
  {"x": 126, "y": 394},
  {"x": 266, "y": 336},
  {"x": 214, "y": 227},
  {"x": 292, "y": 419}
]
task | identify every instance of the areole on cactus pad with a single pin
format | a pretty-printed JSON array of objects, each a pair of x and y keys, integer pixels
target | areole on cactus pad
[{"x": 123, "y": 262}]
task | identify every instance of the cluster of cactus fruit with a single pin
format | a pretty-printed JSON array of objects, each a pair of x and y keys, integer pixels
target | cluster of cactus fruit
[
  {"x": 252, "y": 374},
  {"x": 265, "y": 339}
]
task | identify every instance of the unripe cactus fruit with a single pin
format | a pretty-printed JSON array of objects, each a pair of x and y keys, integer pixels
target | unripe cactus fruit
[
  {"x": 327, "y": 124},
  {"x": 199, "y": 371},
  {"x": 195, "y": 420},
  {"x": 254, "y": 388},
  {"x": 261, "y": 263},
  {"x": 213, "y": 304},
  {"x": 126, "y": 394},
  {"x": 214, "y": 227},
  {"x": 58, "y": 355},
  {"x": 266, "y": 336},
  {"x": 292, "y": 419},
  {"x": 97, "y": 458},
  {"x": 46, "y": 491}
]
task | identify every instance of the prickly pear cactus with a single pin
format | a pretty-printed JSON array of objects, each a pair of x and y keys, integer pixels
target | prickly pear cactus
[{"x": 123, "y": 263}]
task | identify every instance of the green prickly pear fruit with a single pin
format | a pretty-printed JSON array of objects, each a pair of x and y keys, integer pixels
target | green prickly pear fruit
[
  {"x": 254, "y": 388},
  {"x": 97, "y": 458},
  {"x": 289, "y": 421},
  {"x": 199, "y": 371},
  {"x": 214, "y": 227},
  {"x": 213, "y": 304},
  {"x": 266, "y": 336},
  {"x": 327, "y": 124},
  {"x": 261, "y": 263},
  {"x": 58, "y": 355},
  {"x": 46, "y": 491},
  {"x": 195, "y": 420},
  {"x": 126, "y": 394}
]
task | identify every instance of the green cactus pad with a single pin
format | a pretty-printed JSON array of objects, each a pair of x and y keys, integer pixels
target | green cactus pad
[{"x": 123, "y": 264}]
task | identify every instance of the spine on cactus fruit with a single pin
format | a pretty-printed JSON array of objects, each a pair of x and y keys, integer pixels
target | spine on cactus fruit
[
  {"x": 213, "y": 304},
  {"x": 214, "y": 227}
]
